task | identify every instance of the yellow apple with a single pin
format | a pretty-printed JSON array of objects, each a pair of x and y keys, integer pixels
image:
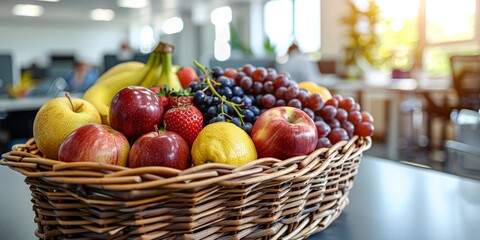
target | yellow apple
[{"x": 57, "y": 118}]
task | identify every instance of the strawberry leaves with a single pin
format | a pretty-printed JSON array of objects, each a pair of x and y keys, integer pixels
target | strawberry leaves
[{"x": 174, "y": 98}]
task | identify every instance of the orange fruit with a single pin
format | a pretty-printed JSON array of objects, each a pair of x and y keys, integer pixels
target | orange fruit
[
  {"x": 223, "y": 142},
  {"x": 315, "y": 88}
]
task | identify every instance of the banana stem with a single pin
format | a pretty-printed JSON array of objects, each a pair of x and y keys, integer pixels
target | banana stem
[
  {"x": 157, "y": 62},
  {"x": 166, "y": 76},
  {"x": 151, "y": 59},
  {"x": 163, "y": 47},
  {"x": 167, "y": 63},
  {"x": 151, "y": 75}
]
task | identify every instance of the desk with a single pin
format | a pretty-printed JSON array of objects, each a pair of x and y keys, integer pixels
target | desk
[
  {"x": 22, "y": 104},
  {"x": 390, "y": 200},
  {"x": 17, "y": 116},
  {"x": 393, "y": 94},
  {"x": 29, "y": 104},
  {"x": 16, "y": 119}
]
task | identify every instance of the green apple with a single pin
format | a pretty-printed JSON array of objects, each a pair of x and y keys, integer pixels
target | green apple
[{"x": 59, "y": 117}]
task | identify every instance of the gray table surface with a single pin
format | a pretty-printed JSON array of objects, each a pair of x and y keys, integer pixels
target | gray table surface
[{"x": 390, "y": 200}]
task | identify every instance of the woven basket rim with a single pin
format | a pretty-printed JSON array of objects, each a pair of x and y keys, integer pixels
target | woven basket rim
[
  {"x": 121, "y": 178},
  {"x": 357, "y": 145}
]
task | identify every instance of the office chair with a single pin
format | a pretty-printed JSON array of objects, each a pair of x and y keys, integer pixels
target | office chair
[
  {"x": 465, "y": 147},
  {"x": 466, "y": 80},
  {"x": 463, "y": 153},
  {"x": 465, "y": 75}
]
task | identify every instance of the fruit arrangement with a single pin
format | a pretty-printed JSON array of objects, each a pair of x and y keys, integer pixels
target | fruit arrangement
[
  {"x": 157, "y": 71},
  {"x": 150, "y": 115},
  {"x": 241, "y": 95}
]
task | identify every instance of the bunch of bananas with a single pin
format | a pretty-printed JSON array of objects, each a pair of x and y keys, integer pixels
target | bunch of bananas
[{"x": 158, "y": 71}]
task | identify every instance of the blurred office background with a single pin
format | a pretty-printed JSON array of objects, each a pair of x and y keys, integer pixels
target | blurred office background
[{"x": 387, "y": 54}]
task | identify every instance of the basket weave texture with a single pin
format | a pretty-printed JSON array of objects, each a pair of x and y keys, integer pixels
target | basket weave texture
[{"x": 265, "y": 199}]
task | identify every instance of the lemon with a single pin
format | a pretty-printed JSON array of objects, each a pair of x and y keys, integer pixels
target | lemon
[
  {"x": 223, "y": 142},
  {"x": 315, "y": 88}
]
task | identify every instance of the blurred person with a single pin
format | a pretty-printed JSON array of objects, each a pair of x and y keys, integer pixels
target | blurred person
[
  {"x": 300, "y": 66},
  {"x": 81, "y": 78},
  {"x": 126, "y": 53}
]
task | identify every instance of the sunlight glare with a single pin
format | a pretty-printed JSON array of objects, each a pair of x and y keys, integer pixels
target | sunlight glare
[
  {"x": 405, "y": 9},
  {"x": 453, "y": 16}
]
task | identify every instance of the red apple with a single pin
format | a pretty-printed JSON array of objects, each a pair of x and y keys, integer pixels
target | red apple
[
  {"x": 95, "y": 143},
  {"x": 160, "y": 148},
  {"x": 284, "y": 132},
  {"x": 135, "y": 111}
]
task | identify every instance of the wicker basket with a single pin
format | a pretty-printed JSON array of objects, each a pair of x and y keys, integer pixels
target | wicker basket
[{"x": 265, "y": 199}]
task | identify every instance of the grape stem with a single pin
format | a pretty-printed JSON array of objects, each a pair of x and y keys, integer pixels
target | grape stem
[{"x": 210, "y": 85}]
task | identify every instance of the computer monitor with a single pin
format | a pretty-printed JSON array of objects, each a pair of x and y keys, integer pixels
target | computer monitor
[
  {"x": 62, "y": 59},
  {"x": 110, "y": 60},
  {"x": 6, "y": 73}
]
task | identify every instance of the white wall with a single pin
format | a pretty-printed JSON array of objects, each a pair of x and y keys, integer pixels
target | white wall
[
  {"x": 185, "y": 42},
  {"x": 334, "y": 32},
  {"x": 30, "y": 43}
]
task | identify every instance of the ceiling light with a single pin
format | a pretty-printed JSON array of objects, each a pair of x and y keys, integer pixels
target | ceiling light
[
  {"x": 100, "y": 14},
  {"x": 221, "y": 15},
  {"x": 172, "y": 25},
  {"x": 28, "y": 10},
  {"x": 133, "y": 3},
  {"x": 147, "y": 39},
  {"x": 222, "y": 50}
]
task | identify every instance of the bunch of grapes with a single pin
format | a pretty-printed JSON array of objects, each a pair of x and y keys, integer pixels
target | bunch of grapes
[
  {"x": 221, "y": 100},
  {"x": 341, "y": 118},
  {"x": 272, "y": 89},
  {"x": 241, "y": 95}
]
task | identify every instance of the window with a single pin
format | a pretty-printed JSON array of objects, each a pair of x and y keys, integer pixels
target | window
[
  {"x": 448, "y": 21},
  {"x": 286, "y": 21},
  {"x": 279, "y": 13},
  {"x": 427, "y": 32},
  {"x": 398, "y": 31},
  {"x": 450, "y": 28},
  {"x": 307, "y": 25}
]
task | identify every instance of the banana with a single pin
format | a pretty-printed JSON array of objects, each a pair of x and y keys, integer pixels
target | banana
[
  {"x": 102, "y": 93},
  {"x": 120, "y": 68},
  {"x": 175, "y": 68},
  {"x": 168, "y": 76},
  {"x": 149, "y": 80}
]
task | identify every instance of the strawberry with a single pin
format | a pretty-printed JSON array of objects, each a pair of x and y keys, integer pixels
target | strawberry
[
  {"x": 186, "y": 120},
  {"x": 164, "y": 102},
  {"x": 179, "y": 101},
  {"x": 171, "y": 98},
  {"x": 162, "y": 94},
  {"x": 186, "y": 75},
  {"x": 155, "y": 89},
  {"x": 179, "y": 98}
]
